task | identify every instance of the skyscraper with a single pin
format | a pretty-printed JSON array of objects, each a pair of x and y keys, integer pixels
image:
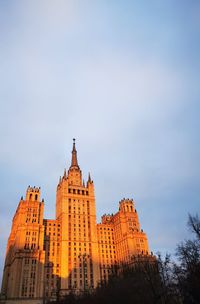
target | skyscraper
[
  {"x": 46, "y": 259},
  {"x": 76, "y": 213}
]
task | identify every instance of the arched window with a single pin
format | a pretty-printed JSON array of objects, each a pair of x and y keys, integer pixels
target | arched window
[{"x": 36, "y": 196}]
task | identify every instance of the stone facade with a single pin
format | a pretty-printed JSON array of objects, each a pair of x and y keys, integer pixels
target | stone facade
[{"x": 46, "y": 259}]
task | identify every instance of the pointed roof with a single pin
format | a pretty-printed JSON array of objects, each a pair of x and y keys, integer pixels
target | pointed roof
[{"x": 74, "y": 162}]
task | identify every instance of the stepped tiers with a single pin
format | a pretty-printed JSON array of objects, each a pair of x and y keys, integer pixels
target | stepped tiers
[{"x": 46, "y": 259}]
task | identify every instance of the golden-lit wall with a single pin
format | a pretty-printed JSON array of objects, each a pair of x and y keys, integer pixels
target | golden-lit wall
[
  {"x": 129, "y": 238},
  {"x": 52, "y": 237},
  {"x": 107, "y": 251},
  {"x": 75, "y": 210},
  {"x": 119, "y": 239},
  {"x": 24, "y": 264}
]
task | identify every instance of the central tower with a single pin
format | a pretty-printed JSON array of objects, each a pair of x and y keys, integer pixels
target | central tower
[{"x": 76, "y": 213}]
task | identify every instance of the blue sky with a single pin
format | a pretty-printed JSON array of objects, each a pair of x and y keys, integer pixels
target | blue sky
[{"x": 122, "y": 77}]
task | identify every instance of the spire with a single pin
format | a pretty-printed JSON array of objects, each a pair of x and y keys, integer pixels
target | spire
[{"x": 74, "y": 162}]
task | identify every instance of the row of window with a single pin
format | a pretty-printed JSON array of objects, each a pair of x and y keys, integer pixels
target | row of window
[
  {"x": 78, "y": 191},
  {"x": 52, "y": 234},
  {"x": 29, "y": 233},
  {"x": 51, "y": 224},
  {"x": 28, "y": 220},
  {"x": 33, "y": 261},
  {"x": 105, "y": 228},
  {"x": 53, "y": 229},
  {"x": 31, "y": 246},
  {"x": 82, "y": 284},
  {"x": 107, "y": 251},
  {"x": 32, "y": 210},
  {"x": 34, "y": 239}
]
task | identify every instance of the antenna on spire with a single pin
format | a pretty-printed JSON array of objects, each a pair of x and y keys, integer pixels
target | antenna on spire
[{"x": 74, "y": 145}]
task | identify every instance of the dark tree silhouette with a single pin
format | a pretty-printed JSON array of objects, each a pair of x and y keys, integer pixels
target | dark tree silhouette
[{"x": 187, "y": 271}]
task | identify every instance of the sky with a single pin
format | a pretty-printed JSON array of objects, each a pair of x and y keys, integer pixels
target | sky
[{"x": 123, "y": 78}]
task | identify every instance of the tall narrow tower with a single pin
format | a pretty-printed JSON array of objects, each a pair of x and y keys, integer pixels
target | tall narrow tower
[
  {"x": 24, "y": 265},
  {"x": 76, "y": 213}
]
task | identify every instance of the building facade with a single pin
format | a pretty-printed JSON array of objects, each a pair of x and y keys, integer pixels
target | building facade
[{"x": 46, "y": 259}]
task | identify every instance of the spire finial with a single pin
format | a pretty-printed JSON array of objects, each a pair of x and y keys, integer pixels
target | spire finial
[
  {"x": 89, "y": 178},
  {"x": 74, "y": 145}
]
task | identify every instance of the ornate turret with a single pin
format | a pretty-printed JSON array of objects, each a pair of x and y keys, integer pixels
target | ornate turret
[{"x": 33, "y": 194}]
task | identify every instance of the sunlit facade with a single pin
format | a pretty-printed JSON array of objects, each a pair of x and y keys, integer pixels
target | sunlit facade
[{"x": 47, "y": 259}]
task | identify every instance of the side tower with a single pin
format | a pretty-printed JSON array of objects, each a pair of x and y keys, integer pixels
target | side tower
[
  {"x": 24, "y": 263},
  {"x": 121, "y": 241},
  {"x": 130, "y": 240},
  {"x": 76, "y": 213}
]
